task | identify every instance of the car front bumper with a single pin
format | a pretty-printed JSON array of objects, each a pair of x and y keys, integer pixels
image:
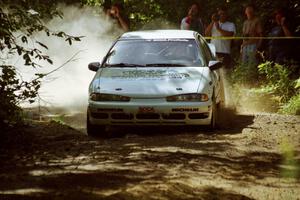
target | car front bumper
[{"x": 150, "y": 112}]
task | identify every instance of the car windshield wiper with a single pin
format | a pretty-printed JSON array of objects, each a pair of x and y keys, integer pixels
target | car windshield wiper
[
  {"x": 123, "y": 65},
  {"x": 164, "y": 65}
]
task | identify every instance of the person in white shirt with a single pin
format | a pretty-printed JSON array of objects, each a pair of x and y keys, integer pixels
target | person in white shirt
[{"x": 220, "y": 27}]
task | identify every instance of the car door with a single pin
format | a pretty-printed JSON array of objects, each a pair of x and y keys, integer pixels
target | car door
[{"x": 215, "y": 74}]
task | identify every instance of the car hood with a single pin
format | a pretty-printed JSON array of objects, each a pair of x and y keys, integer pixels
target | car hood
[{"x": 151, "y": 82}]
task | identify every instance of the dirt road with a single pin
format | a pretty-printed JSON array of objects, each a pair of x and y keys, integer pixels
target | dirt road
[{"x": 254, "y": 157}]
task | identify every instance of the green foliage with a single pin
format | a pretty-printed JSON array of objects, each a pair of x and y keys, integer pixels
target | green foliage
[
  {"x": 245, "y": 75},
  {"x": 93, "y": 2},
  {"x": 292, "y": 106},
  {"x": 274, "y": 82},
  {"x": 59, "y": 119},
  {"x": 290, "y": 168},
  {"x": 172, "y": 11},
  {"x": 13, "y": 91},
  {"x": 278, "y": 80},
  {"x": 297, "y": 83}
]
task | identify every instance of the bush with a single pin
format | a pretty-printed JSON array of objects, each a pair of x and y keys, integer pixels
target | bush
[
  {"x": 272, "y": 81},
  {"x": 244, "y": 74},
  {"x": 292, "y": 106},
  {"x": 278, "y": 80},
  {"x": 13, "y": 92}
]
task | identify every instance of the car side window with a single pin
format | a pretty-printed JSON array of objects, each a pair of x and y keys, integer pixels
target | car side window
[{"x": 205, "y": 48}]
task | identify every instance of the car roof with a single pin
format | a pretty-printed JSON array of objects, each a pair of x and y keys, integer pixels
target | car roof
[{"x": 159, "y": 34}]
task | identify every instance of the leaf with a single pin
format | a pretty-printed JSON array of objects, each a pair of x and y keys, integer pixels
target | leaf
[
  {"x": 37, "y": 87},
  {"x": 43, "y": 45},
  {"x": 19, "y": 50},
  {"x": 69, "y": 40},
  {"x": 40, "y": 28},
  {"x": 37, "y": 51},
  {"x": 26, "y": 56},
  {"x": 60, "y": 34},
  {"x": 77, "y": 38},
  {"x": 49, "y": 61},
  {"x": 24, "y": 39},
  {"x": 297, "y": 83},
  {"x": 40, "y": 75},
  {"x": 38, "y": 56},
  {"x": 27, "y": 59}
]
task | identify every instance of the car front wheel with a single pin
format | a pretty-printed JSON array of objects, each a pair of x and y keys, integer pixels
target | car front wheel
[
  {"x": 215, "y": 115},
  {"x": 95, "y": 130}
]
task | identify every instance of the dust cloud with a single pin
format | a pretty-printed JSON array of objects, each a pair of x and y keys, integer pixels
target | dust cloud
[
  {"x": 68, "y": 86},
  {"x": 246, "y": 99}
]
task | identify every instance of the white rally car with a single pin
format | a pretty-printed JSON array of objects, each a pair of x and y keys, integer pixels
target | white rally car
[{"x": 160, "y": 77}]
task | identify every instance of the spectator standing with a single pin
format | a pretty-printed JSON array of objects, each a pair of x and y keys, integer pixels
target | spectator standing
[
  {"x": 193, "y": 20},
  {"x": 251, "y": 28},
  {"x": 117, "y": 15},
  {"x": 279, "y": 49},
  {"x": 220, "y": 27}
]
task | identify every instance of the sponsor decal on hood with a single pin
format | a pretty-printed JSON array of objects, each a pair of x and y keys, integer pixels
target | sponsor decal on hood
[
  {"x": 149, "y": 74},
  {"x": 149, "y": 82}
]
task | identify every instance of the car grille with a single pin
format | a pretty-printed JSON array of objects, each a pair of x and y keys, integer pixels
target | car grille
[
  {"x": 175, "y": 116},
  {"x": 198, "y": 115},
  {"x": 122, "y": 116},
  {"x": 149, "y": 116},
  {"x": 100, "y": 115}
]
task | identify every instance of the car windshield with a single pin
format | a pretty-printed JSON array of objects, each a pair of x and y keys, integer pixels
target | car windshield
[{"x": 154, "y": 53}]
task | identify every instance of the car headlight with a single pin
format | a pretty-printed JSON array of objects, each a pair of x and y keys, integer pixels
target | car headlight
[
  {"x": 188, "y": 98},
  {"x": 108, "y": 97}
]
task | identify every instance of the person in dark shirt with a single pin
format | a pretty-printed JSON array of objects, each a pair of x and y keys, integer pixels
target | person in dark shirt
[
  {"x": 193, "y": 21},
  {"x": 116, "y": 13},
  {"x": 278, "y": 49}
]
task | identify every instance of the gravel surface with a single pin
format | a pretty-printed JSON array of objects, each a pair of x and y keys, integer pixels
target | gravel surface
[{"x": 251, "y": 157}]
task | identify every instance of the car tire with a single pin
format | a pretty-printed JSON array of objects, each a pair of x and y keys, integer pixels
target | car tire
[
  {"x": 215, "y": 115},
  {"x": 95, "y": 130}
]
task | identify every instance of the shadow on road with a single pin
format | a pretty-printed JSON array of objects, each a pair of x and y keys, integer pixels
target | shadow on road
[
  {"x": 230, "y": 124},
  {"x": 53, "y": 161}
]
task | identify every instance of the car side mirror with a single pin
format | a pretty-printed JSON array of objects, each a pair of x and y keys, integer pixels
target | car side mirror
[
  {"x": 94, "y": 66},
  {"x": 214, "y": 64}
]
